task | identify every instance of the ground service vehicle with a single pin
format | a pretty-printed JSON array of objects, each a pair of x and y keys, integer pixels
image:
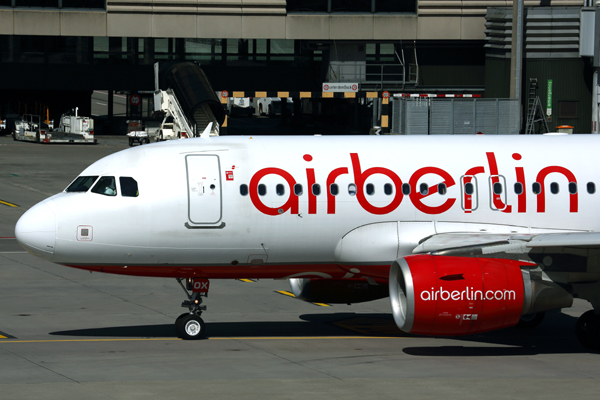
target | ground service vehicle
[
  {"x": 72, "y": 129},
  {"x": 31, "y": 129},
  {"x": 272, "y": 105}
]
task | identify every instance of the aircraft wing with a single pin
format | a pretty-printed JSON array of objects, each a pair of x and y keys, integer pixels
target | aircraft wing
[{"x": 484, "y": 244}]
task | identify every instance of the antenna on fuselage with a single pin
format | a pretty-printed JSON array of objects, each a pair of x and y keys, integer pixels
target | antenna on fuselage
[{"x": 206, "y": 132}]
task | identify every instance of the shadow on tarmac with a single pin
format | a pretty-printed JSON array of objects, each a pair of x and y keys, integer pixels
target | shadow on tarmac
[
  {"x": 556, "y": 334},
  {"x": 218, "y": 330}
]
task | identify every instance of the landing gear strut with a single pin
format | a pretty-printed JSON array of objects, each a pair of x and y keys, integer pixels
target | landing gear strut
[
  {"x": 587, "y": 330},
  {"x": 189, "y": 326}
]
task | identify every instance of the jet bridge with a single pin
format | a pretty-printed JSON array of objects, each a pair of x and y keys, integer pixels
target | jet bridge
[{"x": 189, "y": 98}]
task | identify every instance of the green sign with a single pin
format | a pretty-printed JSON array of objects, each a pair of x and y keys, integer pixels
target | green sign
[{"x": 549, "y": 99}]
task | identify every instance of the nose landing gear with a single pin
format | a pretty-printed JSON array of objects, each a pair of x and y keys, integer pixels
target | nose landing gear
[{"x": 189, "y": 326}]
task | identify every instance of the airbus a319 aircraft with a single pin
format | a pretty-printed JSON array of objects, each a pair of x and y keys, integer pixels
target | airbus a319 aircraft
[{"x": 464, "y": 234}]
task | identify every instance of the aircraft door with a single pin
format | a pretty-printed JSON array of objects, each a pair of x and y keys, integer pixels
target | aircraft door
[{"x": 205, "y": 200}]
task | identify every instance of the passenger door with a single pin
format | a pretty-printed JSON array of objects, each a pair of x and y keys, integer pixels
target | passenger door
[{"x": 205, "y": 200}]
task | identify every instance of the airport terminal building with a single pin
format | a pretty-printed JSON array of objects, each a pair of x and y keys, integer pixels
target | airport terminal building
[{"x": 54, "y": 53}]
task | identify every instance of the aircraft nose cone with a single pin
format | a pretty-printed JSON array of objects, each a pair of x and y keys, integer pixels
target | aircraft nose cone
[{"x": 36, "y": 231}]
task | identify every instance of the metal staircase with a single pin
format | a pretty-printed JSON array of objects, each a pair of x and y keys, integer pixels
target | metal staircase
[
  {"x": 535, "y": 112},
  {"x": 204, "y": 116}
]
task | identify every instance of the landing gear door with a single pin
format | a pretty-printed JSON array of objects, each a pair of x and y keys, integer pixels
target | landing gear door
[
  {"x": 469, "y": 189},
  {"x": 205, "y": 199}
]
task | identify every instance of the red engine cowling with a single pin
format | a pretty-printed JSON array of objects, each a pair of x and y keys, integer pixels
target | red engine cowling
[{"x": 441, "y": 295}]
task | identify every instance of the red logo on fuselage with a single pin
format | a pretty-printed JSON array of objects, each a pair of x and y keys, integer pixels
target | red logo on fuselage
[{"x": 416, "y": 196}]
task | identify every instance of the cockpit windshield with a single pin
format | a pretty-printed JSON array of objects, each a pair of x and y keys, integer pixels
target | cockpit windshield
[
  {"x": 81, "y": 184},
  {"x": 106, "y": 186}
]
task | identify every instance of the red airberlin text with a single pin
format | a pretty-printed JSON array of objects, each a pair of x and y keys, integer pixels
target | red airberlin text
[
  {"x": 361, "y": 175},
  {"x": 467, "y": 294}
]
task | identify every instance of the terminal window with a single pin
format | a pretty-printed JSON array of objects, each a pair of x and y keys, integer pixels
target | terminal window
[
  {"x": 55, "y": 3},
  {"x": 567, "y": 109},
  {"x": 358, "y": 6}
]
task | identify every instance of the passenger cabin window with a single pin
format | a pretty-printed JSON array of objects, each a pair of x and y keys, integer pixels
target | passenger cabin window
[
  {"x": 518, "y": 188},
  {"x": 316, "y": 189},
  {"x": 298, "y": 189},
  {"x": 106, "y": 185},
  {"x": 591, "y": 187},
  {"x": 388, "y": 189},
  {"x": 279, "y": 189},
  {"x": 536, "y": 188},
  {"x": 370, "y": 189},
  {"x": 497, "y": 188},
  {"x": 469, "y": 188},
  {"x": 352, "y": 189},
  {"x": 129, "y": 187},
  {"x": 572, "y": 187},
  {"x": 554, "y": 188},
  {"x": 81, "y": 184},
  {"x": 405, "y": 189},
  {"x": 244, "y": 189},
  {"x": 334, "y": 189},
  {"x": 424, "y": 189},
  {"x": 262, "y": 189},
  {"x": 442, "y": 189}
]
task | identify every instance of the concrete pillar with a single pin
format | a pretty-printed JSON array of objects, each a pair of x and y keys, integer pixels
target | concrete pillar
[
  {"x": 595, "y": 116},
  {"x": 284, "y": 111},
  {"x": 110, "y": 105},
  {"x": 516, "y": 56},
  {"x": 148, "y": 51}
]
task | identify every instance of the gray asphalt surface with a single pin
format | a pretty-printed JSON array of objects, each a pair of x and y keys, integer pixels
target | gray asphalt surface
[{"x": 70, "y": 334}]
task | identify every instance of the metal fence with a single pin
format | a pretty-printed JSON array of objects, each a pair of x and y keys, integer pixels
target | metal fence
[{"x": 456, "y": 116}]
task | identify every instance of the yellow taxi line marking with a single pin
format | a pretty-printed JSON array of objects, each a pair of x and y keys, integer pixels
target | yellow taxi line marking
[
  {"x": 285, "y": 292},
  {"x": 305, "y": 338},
  {"x": 223, "y": 338},
  {"x": 84, "y": 340},
  {"x": 6, "y": 203},
  {"x": 4, "y": 335},
  {"x": 246, "y": 280}
]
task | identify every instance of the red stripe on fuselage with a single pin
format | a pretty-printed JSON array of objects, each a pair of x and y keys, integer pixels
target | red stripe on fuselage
[{"x": 317, "y": 271}]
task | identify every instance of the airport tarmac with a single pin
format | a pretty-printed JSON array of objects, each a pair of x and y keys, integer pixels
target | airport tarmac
[{"x": 70, "y": 334}]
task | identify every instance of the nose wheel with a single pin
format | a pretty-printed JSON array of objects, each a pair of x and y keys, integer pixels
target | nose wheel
[{"x": 190, "y": 326}]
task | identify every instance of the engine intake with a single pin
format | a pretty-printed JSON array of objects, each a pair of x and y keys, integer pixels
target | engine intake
[{"x": 442, "y": 295}]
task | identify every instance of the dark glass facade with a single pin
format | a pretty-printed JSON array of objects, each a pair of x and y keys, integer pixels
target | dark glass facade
[
  {"x": 352, "y": 6},
  {"x": 91, "y": 4}
]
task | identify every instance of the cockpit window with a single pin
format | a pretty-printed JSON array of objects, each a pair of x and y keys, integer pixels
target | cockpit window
[
  {"x": 81, "y": 184},
  {"x": 129, "y": 187},
  {"x": 106, "y": 186}
]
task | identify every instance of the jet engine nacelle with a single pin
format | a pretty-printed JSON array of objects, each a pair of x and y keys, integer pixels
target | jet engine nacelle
[
  {"x": 442, "y": 295},
  {"x": 340, "y": 291}
]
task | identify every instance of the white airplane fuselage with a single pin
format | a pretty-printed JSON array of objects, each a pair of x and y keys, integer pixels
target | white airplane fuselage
[{"x": 180, "y": 226}]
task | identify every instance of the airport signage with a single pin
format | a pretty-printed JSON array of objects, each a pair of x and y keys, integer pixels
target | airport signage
[
  {"x": 330, "y": 87},
  {"x": 135, "y": 100}
]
